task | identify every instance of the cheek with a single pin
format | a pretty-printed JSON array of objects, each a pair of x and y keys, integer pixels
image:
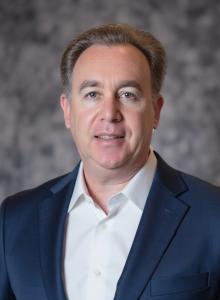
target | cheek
[
  {"x": 140, "y": 126},
  {"x": 82, "y": 120},
  {"x": 138, "y": 121}
]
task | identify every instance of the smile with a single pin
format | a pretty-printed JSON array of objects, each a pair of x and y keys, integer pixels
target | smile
[{"x": 109, "y": 137}]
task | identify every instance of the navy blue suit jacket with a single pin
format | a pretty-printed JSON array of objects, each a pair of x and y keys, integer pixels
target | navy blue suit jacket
[{"x": 175, "y": 254}]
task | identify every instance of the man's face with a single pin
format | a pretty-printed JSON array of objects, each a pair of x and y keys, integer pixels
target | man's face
[{"x": 112, "y": 110}]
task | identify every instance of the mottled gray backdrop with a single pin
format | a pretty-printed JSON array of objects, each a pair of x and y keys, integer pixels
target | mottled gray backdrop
[{"x": 34, "y": 145}]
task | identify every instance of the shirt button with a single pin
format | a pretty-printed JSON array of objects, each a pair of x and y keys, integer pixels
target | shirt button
[
  {"x": 104, "y": 226},
  {"x": 97, "y": 273}
]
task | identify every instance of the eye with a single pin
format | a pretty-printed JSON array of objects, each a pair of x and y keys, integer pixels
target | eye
[
  {"x": 91, "y": 95},
  {"x": 129, "y": 95},
  {"x": 126, "y": 95}
]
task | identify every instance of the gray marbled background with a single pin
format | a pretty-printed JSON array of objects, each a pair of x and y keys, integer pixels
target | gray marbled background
[{"x": 34, "y": 145}]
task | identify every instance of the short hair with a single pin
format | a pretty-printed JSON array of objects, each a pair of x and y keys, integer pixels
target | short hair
[{"x": 115, "y": 34}]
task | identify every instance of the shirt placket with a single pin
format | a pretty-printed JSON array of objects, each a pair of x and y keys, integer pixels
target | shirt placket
[{"x": 99, "y": 257}]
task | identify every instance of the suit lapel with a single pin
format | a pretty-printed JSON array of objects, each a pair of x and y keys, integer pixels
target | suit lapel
[
  {"x": 52, "y": 217},
  {"x": 161, "y": 218}
]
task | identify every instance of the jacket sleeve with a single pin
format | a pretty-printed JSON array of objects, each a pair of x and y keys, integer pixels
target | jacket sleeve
[{"x": 5, "y": 288}]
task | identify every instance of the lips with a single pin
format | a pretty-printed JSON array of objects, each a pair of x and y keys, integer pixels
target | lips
[{"x": 109, "y": 137}]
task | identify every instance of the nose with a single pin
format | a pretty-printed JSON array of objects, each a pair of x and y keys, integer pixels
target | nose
[{"x": 110, "y": 111}]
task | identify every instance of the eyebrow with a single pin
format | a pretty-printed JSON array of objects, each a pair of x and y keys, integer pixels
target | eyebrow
[
  {"x": 130, "y": 83},
  {"x": 95, "y": 83},
  {"x": 89, "y": 83}
]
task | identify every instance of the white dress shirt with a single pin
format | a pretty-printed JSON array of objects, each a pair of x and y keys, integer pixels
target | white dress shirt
[{"x": 97, "y": 245}]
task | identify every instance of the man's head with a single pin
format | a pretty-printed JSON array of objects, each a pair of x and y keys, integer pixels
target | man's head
[
  {"x": 115, "y": 34},
  {"x": 111, "y": 99}
]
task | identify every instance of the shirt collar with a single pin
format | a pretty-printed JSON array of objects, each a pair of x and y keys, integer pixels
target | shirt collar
[
  {"x": 80, "y": 188},
  {"x": 141, "y": 182},
  {"x": 139, "y": 186}
]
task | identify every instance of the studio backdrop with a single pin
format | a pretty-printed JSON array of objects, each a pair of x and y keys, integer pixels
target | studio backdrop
[{"x": 34, "y": 144}]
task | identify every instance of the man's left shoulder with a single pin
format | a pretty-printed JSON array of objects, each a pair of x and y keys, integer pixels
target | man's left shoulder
[
  {"x": 202, "y": 196},
  {"x": 185, "y": 184},
  {"x": 200, "y": 186}
]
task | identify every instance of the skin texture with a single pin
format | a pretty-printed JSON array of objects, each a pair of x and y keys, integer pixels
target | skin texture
[{"x": 111, "y": 115}]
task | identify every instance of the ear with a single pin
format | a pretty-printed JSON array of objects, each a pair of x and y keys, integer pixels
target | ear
[
  {"x": 66, "y": 107},
  {"x": 158, "y": 104}
]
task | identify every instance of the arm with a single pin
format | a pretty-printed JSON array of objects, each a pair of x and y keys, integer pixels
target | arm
[{"x": 5, "y": 289}]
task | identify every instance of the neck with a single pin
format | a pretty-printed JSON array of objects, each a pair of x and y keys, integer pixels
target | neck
[
  {"x": 102, "y": 193},
  {"x": 102, "y": 184}
]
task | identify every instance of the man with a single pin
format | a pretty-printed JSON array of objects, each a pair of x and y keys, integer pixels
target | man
[{"x": 122, "y": 225}]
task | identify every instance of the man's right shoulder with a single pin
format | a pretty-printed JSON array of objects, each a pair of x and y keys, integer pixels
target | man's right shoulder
[{"x": 27, "y": 197}]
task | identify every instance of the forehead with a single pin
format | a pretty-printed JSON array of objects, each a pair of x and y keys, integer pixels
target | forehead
[{"x": 111, "y": 61}]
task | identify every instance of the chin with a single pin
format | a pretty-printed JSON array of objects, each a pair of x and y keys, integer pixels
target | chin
[{"x": 111, "y": 164}]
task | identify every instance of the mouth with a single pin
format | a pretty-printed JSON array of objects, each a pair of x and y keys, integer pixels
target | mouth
[{"x": 109, "y": 137}]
